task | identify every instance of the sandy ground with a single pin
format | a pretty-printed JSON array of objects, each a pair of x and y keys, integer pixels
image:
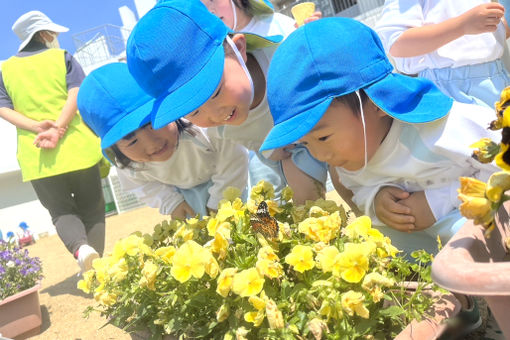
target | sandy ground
[{"x": 62, "y": 304}]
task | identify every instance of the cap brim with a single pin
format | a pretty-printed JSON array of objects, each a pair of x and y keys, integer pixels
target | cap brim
[
  {"x": 192, "y": 95},
  {"x": 49, "y": 27},
  {"x": 255, "y": 41},
  {"x": 259, "y": 7},
  {"x": 129, "y": 123},
  {"x": 411, "y": 100},
  {"x": 291, "y": 130}
]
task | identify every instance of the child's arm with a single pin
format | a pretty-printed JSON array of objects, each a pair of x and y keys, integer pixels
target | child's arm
[
  {"x": 390, "y": 208},
  {"x": 155, "y": 194},
  {"x": 183, "y": 211},
  {"x": 420, "y": 209},
  {"x": 417, "y": 39},
  {"x": 231, "y": 169}
]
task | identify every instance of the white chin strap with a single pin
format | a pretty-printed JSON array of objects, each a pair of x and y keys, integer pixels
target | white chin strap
[
  {"x": 364, "y": 131},
  {"x": 243, "y": 65},
  {"x": 234, "y": 14}
]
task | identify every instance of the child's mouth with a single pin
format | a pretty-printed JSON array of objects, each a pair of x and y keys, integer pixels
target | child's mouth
[
  {"x": 162, "y": 150},
  {"x": 231, "y": 116}
]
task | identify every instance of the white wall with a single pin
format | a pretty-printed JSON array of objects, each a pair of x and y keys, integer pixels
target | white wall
[{"x": 33, "y": 213}]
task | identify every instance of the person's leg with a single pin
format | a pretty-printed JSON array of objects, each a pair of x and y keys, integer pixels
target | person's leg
[
  {"x": 88, "y": 196},
  {"x": 55, "y": 194}
]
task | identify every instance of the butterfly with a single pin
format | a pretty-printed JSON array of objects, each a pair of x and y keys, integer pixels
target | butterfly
[{"x": 264, "y": 223}]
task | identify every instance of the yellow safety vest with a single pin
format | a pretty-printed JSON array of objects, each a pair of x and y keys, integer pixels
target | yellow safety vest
[{"x": 37, "y": 87}]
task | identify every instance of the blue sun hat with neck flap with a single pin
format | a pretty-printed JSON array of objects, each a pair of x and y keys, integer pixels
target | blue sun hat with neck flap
[
  {"x": 333, "y": 57},
  {"x": 112, "y": 104},
  {"x": 176, "y": 54}
]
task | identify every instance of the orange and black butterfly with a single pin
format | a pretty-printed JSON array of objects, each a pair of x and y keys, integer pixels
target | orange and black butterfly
[{"x": 262, "y": 222}]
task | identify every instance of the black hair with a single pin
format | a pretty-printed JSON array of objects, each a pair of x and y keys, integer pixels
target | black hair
[
  {"x": 351, "y": 100},
  {"x": 122, "y": 161}
]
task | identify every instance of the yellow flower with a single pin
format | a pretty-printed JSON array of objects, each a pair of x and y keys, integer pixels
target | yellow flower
[
  {"x": 274, "y": 315},
  {"x": 211, "y": 265},
  {"x": 258, "y": 302},
  {"x": 100, "y": 266},
  {"x": 184, "y": 232},
  {"x": 352, "y": 302},
  {"x": 225, "y": 211},
  {"x": 149, "y": 273},
  {"x": 231, "y": 193},
  {"x": 256, "y": 318},
  {"x": 271, "y": 269},
  {"x": 267, "y": 253},
  {"x": 472, "y": 187},
  {"x": 352, "y": 263},
  {"x": 486, "y": 150},
  {"x": 326, "y": 258},
  {"x": 219, "y": 245},
  {"x": 85, "y": 283},
  {"x": 189, "y": 260},
  {"x": 301, "y": 258},
  {"x": 373, "y": 283},
  {"x": 224, "y": 283},
  {"x": 476, "y": 208},
  {"x": 287, "y": 193},
  {"x": 223, "y": 313},
  {"x": 497, "y": 184},
  {"x": 165, "y": 253},
  {"x": 107, "y": 299},
  {"x": 119, "y": 270},
  {"x": 321, "y": 229},
  {"x": 247, "y": 283},
  {"x": 503, "y": 157},
  {"x": 262, "y": 189},
  {"x": 273, "y": 207}
]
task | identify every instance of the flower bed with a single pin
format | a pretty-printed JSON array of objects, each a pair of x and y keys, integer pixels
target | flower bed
[{"x": 261, "y": 269}]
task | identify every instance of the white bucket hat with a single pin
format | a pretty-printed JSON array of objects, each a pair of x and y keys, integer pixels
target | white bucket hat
[{"x": 32, "y": 22}]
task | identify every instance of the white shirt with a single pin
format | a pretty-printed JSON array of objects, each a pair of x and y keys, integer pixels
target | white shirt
[
  {"x": 426, "y": 157},
  {"x": 401, "y": 15},
  {"x": 196, "y": 160},
  {"x": 272, "y": 24}
]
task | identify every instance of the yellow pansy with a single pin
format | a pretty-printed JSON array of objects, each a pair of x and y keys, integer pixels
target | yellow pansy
[
  {"x": 258, "y": 302},
  {"x": 267, "y": 253},
  {"x": 211, "y": 265},
  {"x": 149, "y": 273},
  {"x": 225, "y": 211},
  {"x": 105, "y": 298},
  {"x": 247, "y": 282},
  {"x": 476, "y": 208},
  {"x": 273, "y": 207},
  {"x": 85, "y": 283},
  {"x": 472, "y": 187},
  {"x": 219, "y": 245},
  {"x": 502, "y": 158},
  {"x": 498, "y": 183},
  {"x": 184, "y": 232},
  {"x": 301, "y": 258},
  {"x": 212, "y": 225},
  {"x": 271, "y": 269},
  {"x": 352, "y": 303},
  {"x": 119, "y": 270},
  {"x": 189, "y": 260},
  {"x": 224, "y": 283},
  {"x": 287, "y": 193},
  {"x": 262, "y": 189},
  {"x": 321, "y": 229},
  {"x": 274, "y": 315},
  {"x": 231, "y": 193},
  {"x": 256, "y": 318},
  {"x": 100, "y": 266},
  {"x": 223, "y": 313},
  {"x": 165, "y": 253},
  {"x": 326, "y": 258},
  {"x": 352, "y": 263}
]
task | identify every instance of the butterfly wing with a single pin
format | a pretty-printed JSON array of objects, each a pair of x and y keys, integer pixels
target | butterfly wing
[{"x": 264, "y": 223}]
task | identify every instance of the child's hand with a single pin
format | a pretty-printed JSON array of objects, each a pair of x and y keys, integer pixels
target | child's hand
[
  {"x": 419, "y": 206},
  {"x": 47, "y": 139},
  {"x": 315, "y": 16},
  {"x": 390, "y": 210},
  {"x": 183, "y": 211},
  {"x": 482, "y": 18},
  {"x": 44, "y": 125}
]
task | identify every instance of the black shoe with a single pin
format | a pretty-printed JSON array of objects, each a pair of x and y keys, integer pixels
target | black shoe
[{"x": 467, "y": 321}]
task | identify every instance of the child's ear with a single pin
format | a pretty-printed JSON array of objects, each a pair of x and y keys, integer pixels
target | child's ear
[{"x": 240, "y": 42}]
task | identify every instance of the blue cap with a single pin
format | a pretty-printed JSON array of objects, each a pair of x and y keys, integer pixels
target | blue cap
[
  {"x": 175, "y": 53},
  {"x": 112, "y": 104},
  {"x": 333, "y": 57},
  {"x": 261, "y": 7}
]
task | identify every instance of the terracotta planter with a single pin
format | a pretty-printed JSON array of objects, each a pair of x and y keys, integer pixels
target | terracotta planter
[
  {"x": 474, "y": 265},
  {"x": 20, "y": 314}
]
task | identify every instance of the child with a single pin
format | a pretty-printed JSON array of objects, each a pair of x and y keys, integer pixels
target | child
[
  {"x": 254, "y": 16},
  {"x": 397, "y": 142},
  {"x": 177, "y": 168},
  {"x": 213, "y": 82},
  {"x": 456, "y": 44}
]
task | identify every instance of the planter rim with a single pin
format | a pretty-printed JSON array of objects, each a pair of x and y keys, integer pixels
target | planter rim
[{"x": 20, "y": 294}]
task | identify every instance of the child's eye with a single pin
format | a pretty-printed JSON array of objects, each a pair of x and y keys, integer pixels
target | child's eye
[
  {"x": 192, "y": 114},
  {"x": 132, "y": 142},
  {"x": 324, "y": 138},
  {"x": 217, "y": 92}
]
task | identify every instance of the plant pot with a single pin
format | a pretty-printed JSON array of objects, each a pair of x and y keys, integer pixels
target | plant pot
[
  {"x": 472, "y": 264},
  {"x": 20, "y": 314},
  {"x": 432, "y": 327}
]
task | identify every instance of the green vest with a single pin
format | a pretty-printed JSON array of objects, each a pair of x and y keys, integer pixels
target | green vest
[{"x": 37, "y": 87}]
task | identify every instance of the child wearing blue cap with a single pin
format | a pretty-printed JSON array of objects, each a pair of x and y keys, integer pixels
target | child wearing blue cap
[
  {"x": 177, "y": 168},
  {"x": 397, "y": 142},
  {"x": 183, "y": 55}
]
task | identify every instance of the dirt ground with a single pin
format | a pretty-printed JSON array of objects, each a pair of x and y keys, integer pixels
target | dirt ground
[{"x": 62, "y": 304}]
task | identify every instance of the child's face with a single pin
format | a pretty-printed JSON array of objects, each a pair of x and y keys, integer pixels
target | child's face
[
  {"x": 222, "y": 9},
  {"x": 337, "y": 138},
  {"x": 149, "y": 145},
  {"x": 230, "y": 103}
]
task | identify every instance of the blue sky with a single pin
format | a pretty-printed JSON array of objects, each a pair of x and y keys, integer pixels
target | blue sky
[{"x": 77, "y": 15}]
